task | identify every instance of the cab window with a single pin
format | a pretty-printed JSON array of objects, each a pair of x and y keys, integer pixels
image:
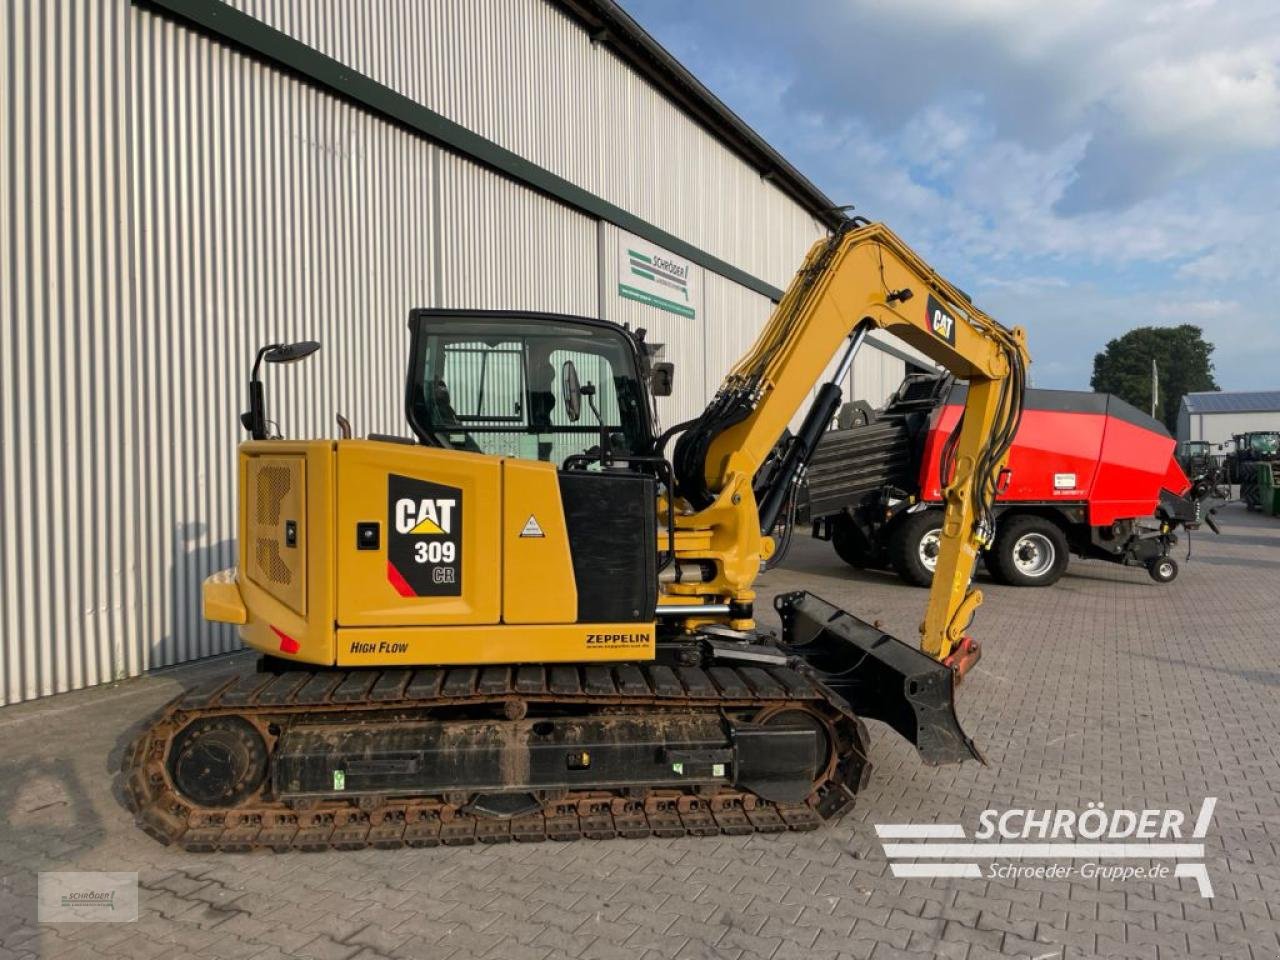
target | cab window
[{"x": 530, "y": 387}]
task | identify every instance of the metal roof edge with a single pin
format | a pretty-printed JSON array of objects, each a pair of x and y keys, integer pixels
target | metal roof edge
[{"x": 606, "y": 22}]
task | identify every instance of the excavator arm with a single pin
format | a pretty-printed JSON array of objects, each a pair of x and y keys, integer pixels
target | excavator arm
[{"x": 862, "y": 278}]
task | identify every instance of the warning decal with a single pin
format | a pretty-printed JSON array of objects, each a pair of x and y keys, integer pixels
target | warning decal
[
  {"x": 531, "y": 528},
  {"x": 424, "y": 542}
]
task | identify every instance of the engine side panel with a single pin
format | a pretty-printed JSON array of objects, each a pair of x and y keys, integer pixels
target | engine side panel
[
  {"x": 286, "y": 560},
  {"x": 369, "y": 553},
  {"x": 538, "y": 584},
  {"x": 437, "y": 514}
]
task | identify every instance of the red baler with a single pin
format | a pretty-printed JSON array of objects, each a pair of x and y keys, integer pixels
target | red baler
[{"x": 1087, "y": 474}]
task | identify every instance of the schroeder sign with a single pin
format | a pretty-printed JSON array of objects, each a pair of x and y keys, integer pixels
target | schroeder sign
[{"x": 651, "y": 275}]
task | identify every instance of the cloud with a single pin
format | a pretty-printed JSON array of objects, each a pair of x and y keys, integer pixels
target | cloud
[
  {"x": 1081, "y": 168},
  {"x": 1154, "y": 90}
]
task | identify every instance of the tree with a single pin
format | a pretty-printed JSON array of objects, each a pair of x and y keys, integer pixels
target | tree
[{"x": 1182, "y": 356}]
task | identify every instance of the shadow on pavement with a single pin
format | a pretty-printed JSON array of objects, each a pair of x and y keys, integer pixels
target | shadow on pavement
[
  {"x": 42, "y": 800},
  {"x": 1269, "y": 678}
]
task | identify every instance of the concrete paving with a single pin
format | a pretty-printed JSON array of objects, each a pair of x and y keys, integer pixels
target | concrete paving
[{"x": 1106, "y": 688}]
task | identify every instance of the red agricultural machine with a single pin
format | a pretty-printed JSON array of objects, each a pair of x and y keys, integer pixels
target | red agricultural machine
[{"x": 1087, "y": 474}]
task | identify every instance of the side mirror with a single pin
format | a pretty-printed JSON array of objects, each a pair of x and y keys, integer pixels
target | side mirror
[
  {"x": 571, "y": 391},
  {"x": 291, "y": 352},
  {"x": 255, "y": 418},
  {"x": 662, "y": 379}
]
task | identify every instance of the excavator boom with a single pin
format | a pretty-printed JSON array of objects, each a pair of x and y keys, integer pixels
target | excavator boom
[{"x": 860, "y": 279}]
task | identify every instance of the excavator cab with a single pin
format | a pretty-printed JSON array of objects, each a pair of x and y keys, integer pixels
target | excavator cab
[{"x": 533, "y": 386}]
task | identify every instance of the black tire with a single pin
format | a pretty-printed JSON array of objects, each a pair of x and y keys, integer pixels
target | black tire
[
  {"x": 1162, "y": 569},
  {"x": 849, "y": 543},
  {"x": 1249, "y": 485},
  {"x": 1029, "y": 551},
  {"x": 907, "y": 544}
]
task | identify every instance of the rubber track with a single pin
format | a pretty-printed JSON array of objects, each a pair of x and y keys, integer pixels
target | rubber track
[{"x": 263, "y": 823}]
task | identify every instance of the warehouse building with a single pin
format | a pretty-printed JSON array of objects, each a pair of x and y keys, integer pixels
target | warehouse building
[
  {"x": 182, "y": 181},
  {"x": 1217, "y": 416}
]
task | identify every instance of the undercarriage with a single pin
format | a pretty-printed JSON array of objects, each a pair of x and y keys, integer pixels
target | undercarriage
[{"x": 344, "y": 759}]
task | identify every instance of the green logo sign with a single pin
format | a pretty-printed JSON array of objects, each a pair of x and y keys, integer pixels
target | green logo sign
[{"x": 649, "y": 274}]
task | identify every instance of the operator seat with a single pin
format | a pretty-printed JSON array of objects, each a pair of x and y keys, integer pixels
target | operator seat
[
  {"x": 542, "y": 397},
  {"x": 446, "y": 418}
]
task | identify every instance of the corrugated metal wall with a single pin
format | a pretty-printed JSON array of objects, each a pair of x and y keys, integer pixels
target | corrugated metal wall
[
  {"x": 70, "y": 458},
  {"x": 875, "y": 373},
  {"x": 504, "y": 247},
  {"x": 525, "y": 76},
  {"x": 263, "y": 210},
  {"x": 167, "y": 206}
]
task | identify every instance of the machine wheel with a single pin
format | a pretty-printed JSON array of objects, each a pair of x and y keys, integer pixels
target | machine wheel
[
  {"x": 1248, "y": 481},
  {"x": 1162, "y": 569},
  {"x": 913, "y": 546},
  {"x": 1029, "y": 551},
  {"x": 218, "y": 761},
  {"x": 849, "y": 543}
]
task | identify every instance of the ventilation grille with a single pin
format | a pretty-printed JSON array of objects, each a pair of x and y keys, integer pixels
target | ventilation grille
[
  {"x": 271, "y": 563},
  {"x": 274, "y": 484},
  {"x": 274, "y": 492}
]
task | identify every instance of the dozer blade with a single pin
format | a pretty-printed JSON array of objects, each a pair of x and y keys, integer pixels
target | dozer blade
[{"x": 880, "y": 676}]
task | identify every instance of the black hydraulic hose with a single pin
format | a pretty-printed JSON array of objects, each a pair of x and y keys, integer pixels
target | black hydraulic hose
[
  {"x": 690, "y": 455},
  {"x": 805, "y": 442},
  {"x": 1008, "y": 419},
  {"x": 660, "y": 444},
  {"x": 788, "y": 531}
]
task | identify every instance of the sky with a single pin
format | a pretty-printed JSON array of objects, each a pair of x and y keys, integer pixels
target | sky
[{"x": 1081, "y": 167}]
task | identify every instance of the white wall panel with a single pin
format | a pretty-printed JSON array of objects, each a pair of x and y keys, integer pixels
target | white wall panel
[
  {"x": 505, "y": 247},
  {"x": 1221, "y": 427},
  {"x": 875, "y": 375},
  {"x": 524, "y": 75},
  {"x": 166, "y": 206},
  {"x": 68, "y": 463}
]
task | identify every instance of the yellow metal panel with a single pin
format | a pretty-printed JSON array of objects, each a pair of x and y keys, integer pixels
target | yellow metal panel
[
  {"x": 439, "y": 555},
  {"x": 537, "y": 568},
  {"x": 272, "y": 625},
  {"x": 222, "y": 600},
  {"x": 507, "y": 643}
]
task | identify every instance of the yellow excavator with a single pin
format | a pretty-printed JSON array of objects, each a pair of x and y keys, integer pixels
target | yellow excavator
[{"x": 530, "y": 620}]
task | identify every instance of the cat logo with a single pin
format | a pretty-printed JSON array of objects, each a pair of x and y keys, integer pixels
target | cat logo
[
  {"x": 940, "y": 321},
  {"x": 426, "y": 517},
  {"x": 424, "y": 537}
]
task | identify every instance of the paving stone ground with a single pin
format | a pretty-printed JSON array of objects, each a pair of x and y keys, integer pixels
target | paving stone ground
[{"x": 1107, "y": 687}]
